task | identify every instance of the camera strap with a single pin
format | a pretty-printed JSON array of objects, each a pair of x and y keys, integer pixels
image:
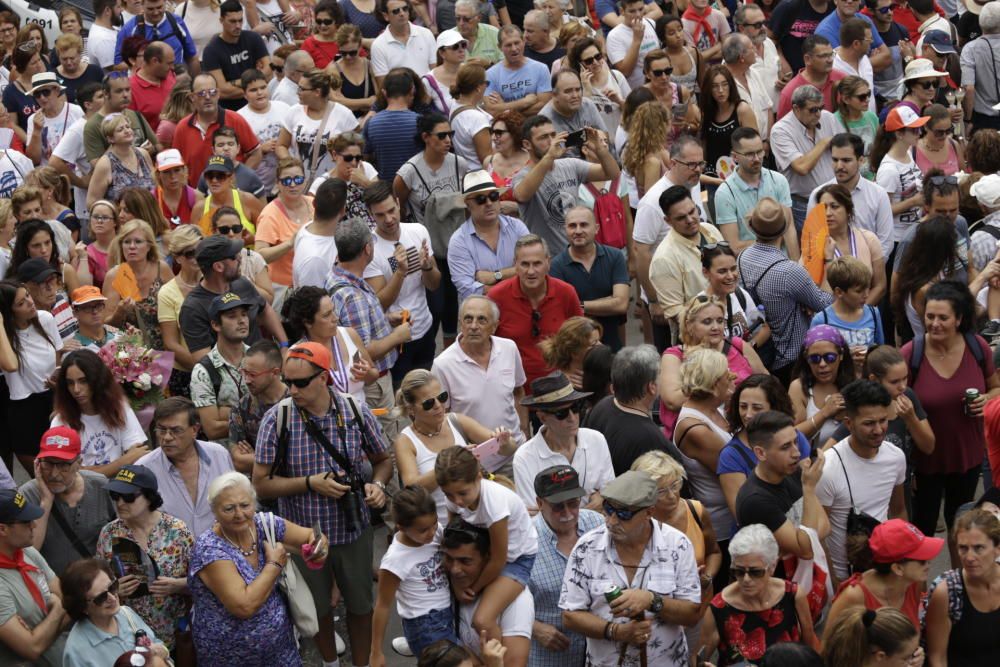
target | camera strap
[{"x": 316, "y": 434}]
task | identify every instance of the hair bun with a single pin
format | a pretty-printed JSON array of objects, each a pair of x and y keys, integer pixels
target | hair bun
[{"x": 868, "y": 618}]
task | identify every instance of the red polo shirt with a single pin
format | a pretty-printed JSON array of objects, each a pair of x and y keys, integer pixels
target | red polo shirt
[
  {"x": 196, "y": 146},
  {"x": 517, "y": 321},
  {"x": 149, "y": 98}
]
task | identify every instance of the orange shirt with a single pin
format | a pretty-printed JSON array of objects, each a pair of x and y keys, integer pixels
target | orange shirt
[{"x": 274, "y": 227}]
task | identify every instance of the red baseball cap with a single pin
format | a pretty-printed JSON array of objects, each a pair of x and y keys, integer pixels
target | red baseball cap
[
  {"x": 316, "y": 354},
  {"x": 896, "y": 540},
  {"x": 59, "y": 442}
]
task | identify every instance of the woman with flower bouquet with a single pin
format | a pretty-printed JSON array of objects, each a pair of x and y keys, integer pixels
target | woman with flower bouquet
[{"x": 140, "y": 371}]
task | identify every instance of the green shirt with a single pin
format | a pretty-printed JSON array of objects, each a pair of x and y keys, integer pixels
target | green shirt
[
  {"x": 94, "y": 143},
  {"x": 487, "y": 44}
]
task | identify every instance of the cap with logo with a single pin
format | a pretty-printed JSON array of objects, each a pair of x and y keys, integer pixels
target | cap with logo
[
  {"x": 316, "y": 354},
  {"x": 558, "y": 483},
  {"x": 632, "y": 489},
  {"x": 903, "y": 116},
  {"x": 35, "y": 270},
  {"x": 940, "y": 41},
  {"x": 224, "y": 302},
  {"x": 15, "y": 507},
  {"x": 169, "y": 159},
  {"x": 132, "y": 478},
  {"x": 86, "y": 294},
  {"x": 59, "y": 442},
  {"x": 895, "y": 540},
  {"x": 219, "y": 164}
]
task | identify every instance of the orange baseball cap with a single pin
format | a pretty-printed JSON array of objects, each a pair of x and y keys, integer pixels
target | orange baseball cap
[
  {"x": 86, "y": 294},
  {"x": 316, "y": 354}
]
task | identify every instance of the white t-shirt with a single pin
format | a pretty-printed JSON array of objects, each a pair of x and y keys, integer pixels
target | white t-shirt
[
  {"x": 901, "y": 180},
  {"x": 286, "y": 91},
  {"x": 423, "y": 583},
  {"x": 412, "y": 295},
  {"x": 466, "y": 125},
  {"x": 102, "y": 444},
  {"x": 419, "y": 53},
  {"x": 620, "y": 39},
  {"x": 70, "y": 150},
  {"x": 101, "y": 45},
  {"x": 314, "y": 257},
  {"x": 38, "y": 358},
  {"x": 14, "y": 166},
  {"x": 497, "y": 502},
  {"x": 370, "y": 172},
  {"x": 515, "y": 621},
  {"x": 304, "y": 129},
  {"x": 871, "y": 484},
  {"x": 266, "y": 126},
  {"x": 53, "y": 129},
  {"x": 202, "y": 23}
]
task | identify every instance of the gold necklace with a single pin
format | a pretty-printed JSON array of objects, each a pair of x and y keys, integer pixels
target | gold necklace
[{"x": 428, "y": 435}]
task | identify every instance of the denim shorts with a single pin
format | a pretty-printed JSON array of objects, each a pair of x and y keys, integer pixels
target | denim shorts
[
  {"x": 520, "y": 569},
  {"x": 423, "y": 631}
]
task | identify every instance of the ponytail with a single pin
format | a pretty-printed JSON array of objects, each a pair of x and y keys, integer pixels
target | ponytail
[{"x": 859, "y": 632}]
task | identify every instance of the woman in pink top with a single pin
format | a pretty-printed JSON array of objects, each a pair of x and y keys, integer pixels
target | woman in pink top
[{"x": 938, "y": 149}]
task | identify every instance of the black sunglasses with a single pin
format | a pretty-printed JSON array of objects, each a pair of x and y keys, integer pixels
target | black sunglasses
[
  {"x": 226, "y": 230},
  {"x": 481, "y": 199},
  {"x": 622, "y": 514},
  {"x": 399, "y": 10},
  {"x": 127, "y": 497},
  {"x": 101, "y": 598},
  {"x": 938, "y": 181},
  {"x": 216, "y": 176},
  {"x": 302, "y": 383},
  {"x": 926, "y": 85},
  {"x": 458, "y": 46},
  {"x": 444, "y": 135},
  {"x": 591, "y": 60},
  {"x": 828, "y": 357},
  {"x": 740, "y": 572},
  {"x": 864, "y": 97},
  {"x": 277, "y": 68},
  {"x": 536, "y": 317},
  {"x": 666, "y": 71},
  {"x": 187, "y": 254},
  {"x": 498, "y": 133},
  {"x": 348, "y": 54},
  {"x": 562, "y": 413},
  {"x": 349, "y": 158},
  {"x": 323, "y": 21},
  {"x": 428, "y": 404}
]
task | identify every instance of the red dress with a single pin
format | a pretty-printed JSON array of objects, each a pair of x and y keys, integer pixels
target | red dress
[
  {"x": 745, "y": 635},
  {"x": 911, "y": 601}
]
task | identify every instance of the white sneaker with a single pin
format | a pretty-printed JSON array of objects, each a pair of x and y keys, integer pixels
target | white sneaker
[
  {"x": 341, "y": 646},
  {"x": 400, "y": 646}
]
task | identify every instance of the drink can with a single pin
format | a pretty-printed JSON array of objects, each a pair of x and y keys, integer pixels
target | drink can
[
  {"x": 612, "y": 593},
  {"x": 971, "y": 396}
]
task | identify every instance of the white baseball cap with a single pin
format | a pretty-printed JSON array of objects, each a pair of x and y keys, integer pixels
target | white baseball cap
[{"x": 169, "y": 159}]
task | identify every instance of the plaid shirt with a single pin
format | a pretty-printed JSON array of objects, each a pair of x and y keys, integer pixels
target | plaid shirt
[
  {"x": 359, "y": 308},
  {"x": 245, "y": 418},
  {"x": 546, "y": 584},
  {"x": 308, "y": 457}
]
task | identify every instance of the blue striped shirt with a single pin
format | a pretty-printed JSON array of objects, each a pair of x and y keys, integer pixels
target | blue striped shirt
[{"x": 391, "y": 137}]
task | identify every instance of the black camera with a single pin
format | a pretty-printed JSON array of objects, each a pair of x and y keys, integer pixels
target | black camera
[{"x": 350, "y": 502}]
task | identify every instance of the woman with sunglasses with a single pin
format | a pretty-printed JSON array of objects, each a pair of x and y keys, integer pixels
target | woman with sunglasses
[
  {"x": 357, "y": 87},
  {"x": 758, "y": 609},
  {"x": 938, "y": 148},
  {"x": 347, "y": 150},
  {"x": 452, "y": 50},
  {"x": 181, "y": 244},
  {"x": 253, "y": 266},
  {"x": 920, "y": 84},
  {"x": 891, "y": 159},
  {"x": 508, "y": 157},
  {"x": 853, "y": 113},
  {"x": 176, "y": 198},
  {"x": 433, "y": 429},
  {"x": 689, "y": 66},
  {"x": 825, "y": 367},
  {"x": 681, "y": 102},
  {"x": 471, "y": 124},
  {"x": 322, "y": 44},
  {"x": 103, "y": 627},
  {"x": 161, "y": 537},
  {"x": 607, "y": 88},
  {"x": 280, "y": 221}
]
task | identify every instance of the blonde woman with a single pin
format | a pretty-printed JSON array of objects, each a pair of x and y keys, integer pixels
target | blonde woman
[
  {"x": 181, "y": 244},
  {"x": 134, "y": 250},
  {"x": 645, "y": 157},
  {"x": 122, "y": 165},
  {"x": 57, "y": 194}
]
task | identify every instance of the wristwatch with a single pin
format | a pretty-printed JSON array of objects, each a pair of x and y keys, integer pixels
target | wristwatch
[
  {"x": 497, "y": 276},
  {"x": 656, "y": 606}
]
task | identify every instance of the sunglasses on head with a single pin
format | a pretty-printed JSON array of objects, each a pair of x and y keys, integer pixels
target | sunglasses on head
[
  {"x": 713, "y": 246},
  {"x": 591, "y": 60},
  {"x": 482, "y": 199},
  {"x": 828, "y": 357},
  {"x": 563, "y": 413},
  {"x": 101, "y": 599},
  {"x": 428, "y": 404},
  {"x": 938, "y": 181},
  {"x": 226, "y": 230},
  {"x": 740, "y": 572},
  {"x": 622, "y": 514},
  {"x": 349, "y": 158},
  {"x": 666, "y": 71},
  {"x": 277, "y": 68},
  {"x": 444, "y": 135},
  {"x": 127, "y": 497},
  {"x": 289, "y": 181},
  {"x": 323, "y": 21},
  {"x": 536, "y": 317},
  {"x": 302, "y": 383}
]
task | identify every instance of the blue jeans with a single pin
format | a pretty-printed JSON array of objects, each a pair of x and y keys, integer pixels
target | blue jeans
[
  {"x": 423, "y": 631},
  {"x": 520, "y": 569},
  {"x": 799, "y": 209}
]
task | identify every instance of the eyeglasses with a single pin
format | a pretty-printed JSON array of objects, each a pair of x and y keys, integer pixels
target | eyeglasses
[
  {"x": 102, "y": 218},
  {"x": 571, "y": 504},
  {"x": 812, "y": 110},
  {"x": 347, "y": 157},
  {"x": 459, "y": 46},
  {"x": 444, "y": 135},
  {"x": 44, "y": 92},
  {"x": 253, "y": 375},
  {"x": 666, "y": 71},
  {"x": 323, "y": 21},
  {"x": 592, "y": 60},
  {"x": 481, "y": 199},
  {"x": 941, "y": 134},
  {"x": 306, "y": 90},
  {"x": 741, "y": 572},
  {"x": 95, "y": 307},
  {"x": 302, "y": 383},
  {"x": 828, "y": 357},
  {"x": 926, "y": 85},
  {"x": 938, "y": 181},
  {"x": 172, "y": 431},
  {"x": 536, "y": 317},
  {"x": 465, "y": 19},
  {"x": 622, "y": 514},
  {"x": 863, "y": 97},
  {"x": 756, "y": 155},
  {"x": 206, "y": 94},
  {"x": 563, "y": 413},
  {"x": 428, "y": 404},
  {"x": 127, "y": 497},
  {"x": 277, "y": 68},
  {"x": 289, "y": 181},
  {"x": 498, "y": 133},
  {"x": 673, "y": 487},
  {"x": 216, "y": 176},
  {"x": 101, "y": 599},
  {"x": 757, "y": 26},
  {"x": 349, "y": 54},
  {"x": 399, "y": 10},
  {"x": 226, "y": 230},
  {"x": 693, "y": 166}
]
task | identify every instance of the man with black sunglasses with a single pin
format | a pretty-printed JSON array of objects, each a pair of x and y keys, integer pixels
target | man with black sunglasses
[
  {"x": 75, "y": 504},
  {"x": 651, "y": 566},
  {"x": 30, "y": 594}
]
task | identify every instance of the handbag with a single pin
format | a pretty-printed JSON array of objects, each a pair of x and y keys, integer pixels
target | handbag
[{"x": 301, "y": 605}]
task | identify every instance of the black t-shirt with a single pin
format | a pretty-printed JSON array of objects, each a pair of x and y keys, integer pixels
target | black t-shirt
[
  {"x": 195, "y": 322},
  {"x": 545, "y": 58},
  {"x": 762, "y": 502},
  {"x": 791, "y": 22},
  {"x": 92, "y": 73},
  {"x": 233, "y": 59},
  {"x": 629, "y": 435}
]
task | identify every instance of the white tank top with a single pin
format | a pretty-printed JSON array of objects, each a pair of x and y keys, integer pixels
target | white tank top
[
  {"x": 827, "y": 428},
  {"x": 425, "y": 463},
  {"x": 704, "y": 482},
  {"x": 353, "y": 387}
]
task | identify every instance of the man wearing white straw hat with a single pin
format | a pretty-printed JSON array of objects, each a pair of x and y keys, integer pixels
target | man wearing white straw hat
[{"x": 54, "y": 116}]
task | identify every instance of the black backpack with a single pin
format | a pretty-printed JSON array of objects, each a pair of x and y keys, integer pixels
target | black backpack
[{"x": 917, "y": 355}]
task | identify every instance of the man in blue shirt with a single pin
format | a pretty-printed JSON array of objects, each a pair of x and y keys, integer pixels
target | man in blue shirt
[
  {"x": 390, "y": 134},
  {"x": 516, "y": 82},
  {"x": 830, "y": 28},
  {"x": 158, "y": 25}
]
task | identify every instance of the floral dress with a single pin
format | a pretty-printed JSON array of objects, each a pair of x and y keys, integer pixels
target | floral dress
[
  {"x": 169, "y": 546},
  {"x": 147, "y": 309},
  {"x": 745, "y": 635},
  {"x": 264, "y": 640}
]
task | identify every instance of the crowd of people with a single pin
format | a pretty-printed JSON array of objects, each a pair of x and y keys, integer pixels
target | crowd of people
[{"x": 650, "y": 332}]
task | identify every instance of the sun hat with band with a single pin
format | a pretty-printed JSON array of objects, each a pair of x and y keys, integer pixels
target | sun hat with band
[
  {"x": 478, "y": 183},
  {"x": 895, "y": 540},
  {"x": 633, "y": 489},
  {"x": 902, "y": 116},
  {"x": 767, "y": 220},
  {"x": 44, "y": 80},
  {"x": 552, "y": 390},
  {"x": 921, "y": 68}
]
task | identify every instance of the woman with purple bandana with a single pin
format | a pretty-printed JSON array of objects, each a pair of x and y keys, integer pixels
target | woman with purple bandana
[{"x": 825, "y": 366}]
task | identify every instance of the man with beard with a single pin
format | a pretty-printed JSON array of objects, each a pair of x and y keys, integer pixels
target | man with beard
[
  {"x": 261, "y": 371},
  {"x": 865, "y": 474},
  {"x": 652, "y": 564},
  {"x": 218, "y": 257}
]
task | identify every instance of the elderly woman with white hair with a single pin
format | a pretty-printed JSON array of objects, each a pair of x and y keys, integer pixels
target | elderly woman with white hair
[
  {"x": 239, "y": 616},
  {"x": 758, "y": 609}
]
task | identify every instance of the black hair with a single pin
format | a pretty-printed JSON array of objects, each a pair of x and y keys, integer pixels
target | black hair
[
  {"x": 225, "y": 131},
  {"x": 790, "y": 654},
  {"x": 230, "y": 7},
  {"x": 957, "y": 294},
  {"x": 376, "y": 193},
  {"x": 330, "y": 199},
  {"x": 848, "y": 140},
  {"x": 925, "y": 7},
  {"x": 673, "y": 195},
  {"x": 249, "y": 76},
  {"x": 85, "y": 93},
  {"x": 331, "y": 8},
  {"x": 531, "y": 123},
  {"x": 942, "y": 189},
  {"x": 597, "y": 372},
  {"x": 763, "y": 426},
  {"x": 8, "y": 292},
  {"x": 845, "y": 371},
  {"x": 427, "y": 123},
  {"x": 176, "y": 405},
  {"x": 862, "y": 393},
  {"x": 707, "y": 254},
  {"x": 397, "y": 84},
  {"x": 300, "y": 308},
  {"x": 459, "y": 533},
  {"x": 741, "y": 133},
  {"x": 777, "y": 398},
  {"x": 931, "y": 252},
  {"x": 810, "y": 43},
  {"x": 25, "y": 232},
  {"x": 410, "y": 503},
  {"x": 269, "y": 349}
]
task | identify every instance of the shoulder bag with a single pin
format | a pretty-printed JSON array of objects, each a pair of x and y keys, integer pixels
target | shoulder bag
[{"x": 301, "y": 606}]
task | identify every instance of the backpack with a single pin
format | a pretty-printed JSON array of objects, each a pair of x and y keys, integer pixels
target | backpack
[
  {"x": 609, "y": 213},
  {"x": 213, "y": 374},
  {"x": 140, "y": 24},
  {"x": 444, "y": 212},
  {"x": 281, "y": 427},
  {"x": 875, "y": 318},
  {"x": 917, "y": 355}
]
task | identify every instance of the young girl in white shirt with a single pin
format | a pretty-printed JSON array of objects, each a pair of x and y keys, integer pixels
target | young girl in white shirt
[
  {"x": 412, "y": 572},
  {"x": 513, "y": 540}
]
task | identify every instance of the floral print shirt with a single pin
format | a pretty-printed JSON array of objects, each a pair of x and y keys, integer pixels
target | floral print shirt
[{"x": 745, "y": 635}]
